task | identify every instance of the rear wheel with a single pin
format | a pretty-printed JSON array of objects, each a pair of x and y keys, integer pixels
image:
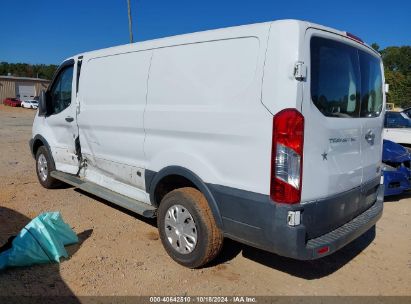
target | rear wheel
[
  {"x": 187, "y": 228},
  {"x": 44, "y": 166}
]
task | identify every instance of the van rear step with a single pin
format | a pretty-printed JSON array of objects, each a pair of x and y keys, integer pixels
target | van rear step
[{"x": 111, "y": 196}]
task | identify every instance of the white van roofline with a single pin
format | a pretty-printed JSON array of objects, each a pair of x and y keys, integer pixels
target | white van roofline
[{"x": 199, "y": 36}]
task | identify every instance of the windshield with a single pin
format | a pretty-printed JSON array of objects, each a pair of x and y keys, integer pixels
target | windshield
[{"x": 345, "y": 81}]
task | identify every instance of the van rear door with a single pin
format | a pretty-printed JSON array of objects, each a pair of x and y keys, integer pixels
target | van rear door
[
  {"x": 372, "y": 100},
  {"x": 342, "y": 104}
]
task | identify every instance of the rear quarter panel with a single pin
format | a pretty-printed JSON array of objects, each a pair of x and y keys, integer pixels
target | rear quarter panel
[{"x": 204, "y": 111}]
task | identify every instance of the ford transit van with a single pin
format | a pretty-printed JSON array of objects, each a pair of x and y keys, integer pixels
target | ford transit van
[{"x": 268, "y": 134}]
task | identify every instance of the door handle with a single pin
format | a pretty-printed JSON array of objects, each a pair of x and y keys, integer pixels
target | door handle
[
  {"x": 370, "y": 137},
  {"x": 69, "y": 119}
]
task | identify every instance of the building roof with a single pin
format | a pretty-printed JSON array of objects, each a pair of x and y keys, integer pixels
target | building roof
[{"x": 24, "y": 78}]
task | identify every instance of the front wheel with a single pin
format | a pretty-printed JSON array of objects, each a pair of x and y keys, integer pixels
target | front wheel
[
  {"x": 44, "y": 166},
  {"x": 187, "y": 228}
]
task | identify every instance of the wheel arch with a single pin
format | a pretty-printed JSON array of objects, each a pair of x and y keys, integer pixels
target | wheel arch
[
  {"x": 37, "y": 142},
  {"x": 155, "y": 179}
]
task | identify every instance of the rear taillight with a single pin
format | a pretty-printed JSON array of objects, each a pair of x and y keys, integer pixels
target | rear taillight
[{"x": 287, "y": 156}]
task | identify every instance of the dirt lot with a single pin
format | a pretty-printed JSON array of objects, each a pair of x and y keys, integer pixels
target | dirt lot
[{"x": 121, "y": 254}]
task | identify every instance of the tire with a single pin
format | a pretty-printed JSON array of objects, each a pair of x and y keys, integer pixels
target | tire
[
  {"x": 190, "y": 205},
  {"x": 44, "y": 165}
]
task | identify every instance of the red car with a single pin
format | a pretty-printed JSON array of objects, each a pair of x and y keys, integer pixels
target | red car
[{"x": 12, "y": 102}]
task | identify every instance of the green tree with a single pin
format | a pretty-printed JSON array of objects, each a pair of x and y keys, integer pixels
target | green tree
[
  {"x": 399, "y": 92},
  {"x": 27, "y": 70},
  {"x": 397, "y": 59},
  {"x": 375, "y": 46},
  {"x": 397, "y": 68}
]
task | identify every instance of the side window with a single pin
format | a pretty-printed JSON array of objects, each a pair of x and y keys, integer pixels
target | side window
[
  {"x": 396, "y": 120},
  {"x": 345, "y": 81},
  {"x": 335, "y": 83},
  {"x": 371, "y": 85},
  {"x": 61, "y": 91}
]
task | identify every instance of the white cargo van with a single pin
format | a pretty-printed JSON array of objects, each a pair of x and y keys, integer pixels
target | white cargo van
[{"x": 268, "y": 134}]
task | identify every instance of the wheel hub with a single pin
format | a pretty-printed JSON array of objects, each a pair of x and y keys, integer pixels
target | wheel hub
[
  {"x": 181, "y": 230},
  {"x": 42, "y": 167}
]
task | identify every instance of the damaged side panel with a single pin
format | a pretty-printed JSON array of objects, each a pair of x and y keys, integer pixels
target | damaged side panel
[
  {"x": 110, "y": 120},
  {"x": 121, "y": 178}
]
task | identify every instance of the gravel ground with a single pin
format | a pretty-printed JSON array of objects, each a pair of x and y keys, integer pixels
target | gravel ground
[{"x": 120, "y": 253}]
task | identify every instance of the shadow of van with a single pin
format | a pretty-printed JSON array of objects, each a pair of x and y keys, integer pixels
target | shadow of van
[
  {"x": 308, "y": 270},
  {"x": 35, "y": 281}
]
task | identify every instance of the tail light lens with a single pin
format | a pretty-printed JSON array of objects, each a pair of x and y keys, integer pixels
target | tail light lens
[{"x": 287, "y": 156}]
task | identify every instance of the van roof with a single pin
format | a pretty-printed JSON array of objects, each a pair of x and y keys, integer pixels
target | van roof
[{"x": 208, "y": 34}]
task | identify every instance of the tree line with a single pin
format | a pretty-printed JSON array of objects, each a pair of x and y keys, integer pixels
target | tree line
[
  {"x": 397, "y": 65},
  {"x": 45, "y": 71},
  {"x": 397, "y": 70}
]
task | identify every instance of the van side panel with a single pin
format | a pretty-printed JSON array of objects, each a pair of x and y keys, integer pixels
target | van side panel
[
  {"x": 203, "y": 112},
  {"x": 112, "y": 99},
  {"x": 280, "y": 89}
]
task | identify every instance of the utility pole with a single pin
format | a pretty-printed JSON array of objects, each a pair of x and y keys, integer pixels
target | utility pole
[{"x": 130, "y": 22}]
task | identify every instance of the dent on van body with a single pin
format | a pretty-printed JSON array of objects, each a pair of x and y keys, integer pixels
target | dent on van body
[
  {"x": 113, "y": 96},
  {"x": 116, "y": 177}
]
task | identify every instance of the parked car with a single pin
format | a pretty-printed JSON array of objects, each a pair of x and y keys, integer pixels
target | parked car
[
  {"x": 12, "y": 102},
  {"x": 396, "y": 168},
  {"x": 407, "y": 112},
  {"x": 225, "y": 134},
  {"x": 30, "y": 104},
  {"x": 397, "y": 128}
]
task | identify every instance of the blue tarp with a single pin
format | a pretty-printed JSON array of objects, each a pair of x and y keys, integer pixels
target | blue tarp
[{"x": 40, "y": 241}]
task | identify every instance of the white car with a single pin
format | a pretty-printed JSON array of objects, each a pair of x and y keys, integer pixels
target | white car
[
  {"x": 397, "y": 128},
  {"x": 269, "y": 134},
  {"x": 30, "y": 104}
]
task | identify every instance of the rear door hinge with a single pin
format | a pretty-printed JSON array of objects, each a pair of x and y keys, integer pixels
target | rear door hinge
[{"x": 300, "y": 71}]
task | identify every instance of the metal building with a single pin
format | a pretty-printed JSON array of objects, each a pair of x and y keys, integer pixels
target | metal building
[{"x": 24, "y": 88}]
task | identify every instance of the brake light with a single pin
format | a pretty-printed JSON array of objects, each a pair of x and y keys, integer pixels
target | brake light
[
  {"x": 356, "y": 38},
  {"x": 287, "y": 156}
]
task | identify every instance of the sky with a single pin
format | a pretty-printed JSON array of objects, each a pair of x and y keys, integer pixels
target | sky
[{"x": 48, "y": 31}]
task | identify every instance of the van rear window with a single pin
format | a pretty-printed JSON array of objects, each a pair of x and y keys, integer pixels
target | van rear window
[{"x": 345, "y": 81}]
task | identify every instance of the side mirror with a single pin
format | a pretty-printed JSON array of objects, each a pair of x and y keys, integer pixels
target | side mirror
[{"x": 43, "y": 103}]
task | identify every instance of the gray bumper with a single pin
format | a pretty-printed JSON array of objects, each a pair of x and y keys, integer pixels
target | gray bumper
[
  {"x": 343, "y": 235},
  {"x": 255, "y": 220}
]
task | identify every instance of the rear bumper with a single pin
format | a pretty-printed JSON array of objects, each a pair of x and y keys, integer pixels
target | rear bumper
[
  {"x": 255, "y": 220},
  {"x": 346, "y": 233}
]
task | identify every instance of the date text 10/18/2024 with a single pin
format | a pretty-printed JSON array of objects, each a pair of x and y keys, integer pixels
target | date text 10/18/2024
[{"x": 203, "y": 299}]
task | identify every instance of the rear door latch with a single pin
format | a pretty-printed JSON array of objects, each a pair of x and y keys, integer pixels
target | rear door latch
[{"x": 300, "y": 71}]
